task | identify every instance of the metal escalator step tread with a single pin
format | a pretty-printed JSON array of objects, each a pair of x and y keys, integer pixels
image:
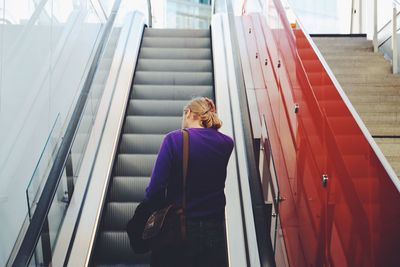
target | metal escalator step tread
[
  {"x": 173, "y": 78},
  {"x": 156, "y": 107},
  {"x": 128, "y": 188},
  {"x": 171, "y": 92},
  {"x": 117, "y": 215},
  {"x": 152, "y": 32},
  {"x": 122, "y": 265},
  {"x": 140, "y": 143},
  {"x": 175, "y": 53},
  {"x": 114, "y": 246},
  {"x": 174, "y": 65},
  {"x": 176, "y": 42},
  {"x": 134, "y": 165},
  {"x": 152, "y": 124}
]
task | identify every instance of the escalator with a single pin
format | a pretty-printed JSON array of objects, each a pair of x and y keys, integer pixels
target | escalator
[{"x": 173, "y": 67}]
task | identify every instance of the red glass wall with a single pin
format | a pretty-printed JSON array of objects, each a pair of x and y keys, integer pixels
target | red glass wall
[{"x": 355, "y": 219}]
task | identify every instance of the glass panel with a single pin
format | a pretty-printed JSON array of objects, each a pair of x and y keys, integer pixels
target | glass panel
[
  {"x": 47, "y": 47},
  {"x": 42, "y": 169},
  {"x": 57, "y": 210},
  {"x": 188, "y": 14}
]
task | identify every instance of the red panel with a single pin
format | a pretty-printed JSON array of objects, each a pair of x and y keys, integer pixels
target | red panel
[{"x": 355, "y": 219}]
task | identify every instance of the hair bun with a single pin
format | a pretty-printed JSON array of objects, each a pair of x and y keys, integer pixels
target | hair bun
[{"x": 211, "y": 105}]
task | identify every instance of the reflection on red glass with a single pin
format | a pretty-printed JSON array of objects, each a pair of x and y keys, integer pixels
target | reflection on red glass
[{"x": 355, "y": 219}]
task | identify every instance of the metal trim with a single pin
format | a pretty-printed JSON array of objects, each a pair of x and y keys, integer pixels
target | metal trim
[{"x": 96, "y": 191}]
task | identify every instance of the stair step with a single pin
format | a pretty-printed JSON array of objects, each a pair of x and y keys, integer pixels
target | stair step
[
  {"x": 170, "y": 65},
  {"x": 151, "y": 125},
  {"x": 383, "y": 129},
  {"x": 173, "y": 78},
  {"x": 156, "y": 107},
  {"x": 176, "y": 42},
  {"x": 140, "y": 143},
  {"x": 121, "y": 265},
  {"x": 365, "y": 108},
  {"x": 171, "y": 92},
  {"x": 363, "y": 89},
  {"x": 375, "y": 99},
  {"x": 128, "y": 188},
  {"x": 151, "y": 32},
  {"x": 134, "y": 164},
  {"x": 174, "y": 53},
  {"x": 381, "y": 117},
  {"x": 114, "y": 247},
  {"x": 117, "y": 215}
]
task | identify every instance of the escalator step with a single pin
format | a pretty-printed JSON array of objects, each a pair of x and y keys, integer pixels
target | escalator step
[
  {"x": 171, "y": 92},
  {"x": 152, "y": 32},
  {"x": 117, "y": 215},
  {"x": 128, "y": 188},
  {"x": 174, "y": 65},
  {"x": 173, "y": 78},
  {"x": 134, "y": 164},
  {"x": 114, "y": 247},
  {"x": 151, "y": 124},
  {"x": 176, "y": 42},
  {"x": 140, "y": 143},
  {"x": 122, "y": 265},
  {"x": 156, "y": 107},
  {"x": 175, "y": 53}
]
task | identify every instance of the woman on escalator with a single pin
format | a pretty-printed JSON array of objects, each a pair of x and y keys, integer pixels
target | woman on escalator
[{"x": 208, "y": 156}]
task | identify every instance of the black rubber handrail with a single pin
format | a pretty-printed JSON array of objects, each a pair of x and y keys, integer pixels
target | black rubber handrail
[
  {"x": 265, "y": 249},
  {"x": 39, "y": 217}
]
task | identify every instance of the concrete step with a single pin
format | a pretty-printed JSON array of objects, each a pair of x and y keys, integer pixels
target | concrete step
[
  {"x": 365, "y": 108},
  {"x": 382, "y": 68},
  {"x": 391, "y": 149},
  {"x": 378, "y": 129},
  {"x": 380, "y": 117},
  {"x": 363, "y": 89},
  {"x": 374, "y": 99},
  {"x": 342, "y": 41},
  {"x": 368, "y": 58},
  {"x": 363, "y": 78}
]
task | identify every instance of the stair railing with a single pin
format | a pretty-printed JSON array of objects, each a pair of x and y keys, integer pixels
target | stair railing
[{"x": 388, "y": 36}]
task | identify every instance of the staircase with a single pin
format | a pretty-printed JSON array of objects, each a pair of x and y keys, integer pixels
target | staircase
[
  {"x": 374, "y": 91},
  {"x": 173, "y": 67}
]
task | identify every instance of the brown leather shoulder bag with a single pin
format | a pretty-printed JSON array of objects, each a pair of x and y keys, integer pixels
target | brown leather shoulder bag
[{"x": 167, "y": 226}]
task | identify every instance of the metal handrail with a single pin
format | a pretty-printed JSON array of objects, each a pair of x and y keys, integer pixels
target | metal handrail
[
  {"x": 39, "y": 218},
  {"x": 260, "y": 217},
  {"x": 387, "y": 23},
  {"x": 149, "y": 14}
]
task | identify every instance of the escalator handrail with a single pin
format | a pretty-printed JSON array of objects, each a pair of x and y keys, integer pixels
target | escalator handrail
[
  {"x": 265, "y": 250},
  {"x": 39, "y": 217}
]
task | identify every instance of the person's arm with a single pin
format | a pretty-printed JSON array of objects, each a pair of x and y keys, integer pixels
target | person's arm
[{"x": 155, "y": 191}]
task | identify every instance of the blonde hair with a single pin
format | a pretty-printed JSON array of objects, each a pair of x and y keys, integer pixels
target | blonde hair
[{"x": 203, "y": 109}]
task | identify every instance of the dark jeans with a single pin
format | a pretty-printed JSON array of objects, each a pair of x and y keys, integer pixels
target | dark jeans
[{"x": 205, "y": 247}]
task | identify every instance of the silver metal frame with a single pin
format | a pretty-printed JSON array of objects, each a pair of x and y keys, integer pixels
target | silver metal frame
[
  {"x": 106, "y": 130},
  {"x": 241, "y": 235}
]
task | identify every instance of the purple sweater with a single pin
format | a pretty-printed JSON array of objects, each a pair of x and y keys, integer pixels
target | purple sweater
[{"x": 209, "y": 152}]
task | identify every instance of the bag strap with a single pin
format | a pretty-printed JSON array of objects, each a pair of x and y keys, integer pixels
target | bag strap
[{"x": 185, "y": 161}]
